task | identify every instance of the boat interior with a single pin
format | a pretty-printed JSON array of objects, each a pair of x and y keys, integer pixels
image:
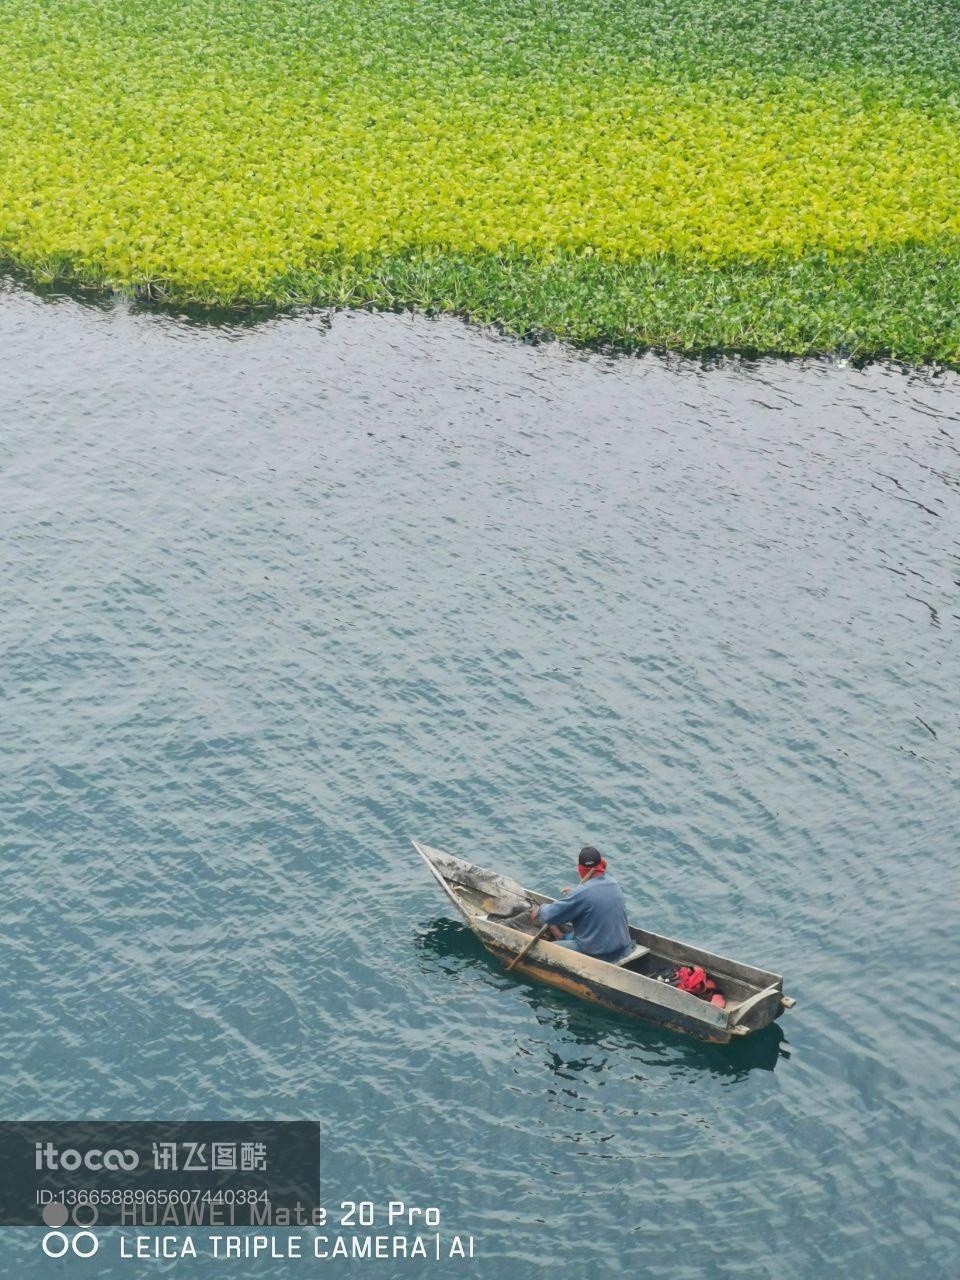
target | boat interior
[{"x": 506, "y": 903}]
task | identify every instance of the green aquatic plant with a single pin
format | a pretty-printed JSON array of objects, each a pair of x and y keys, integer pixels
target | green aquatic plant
[{"x": 762, "y": 174}]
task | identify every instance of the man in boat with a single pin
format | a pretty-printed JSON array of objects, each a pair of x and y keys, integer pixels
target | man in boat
[{"x": 595, "y": 909}]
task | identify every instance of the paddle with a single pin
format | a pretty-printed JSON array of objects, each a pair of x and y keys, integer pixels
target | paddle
[{"x": 540, "y": 932}]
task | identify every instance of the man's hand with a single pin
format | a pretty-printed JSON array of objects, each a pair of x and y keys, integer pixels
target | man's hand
[
  {"x": 565, "y": 890},
  {"x": 533, "y": 914}
]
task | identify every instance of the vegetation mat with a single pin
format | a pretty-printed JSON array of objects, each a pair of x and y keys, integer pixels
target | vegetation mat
[{"x": 762, "y": 175}]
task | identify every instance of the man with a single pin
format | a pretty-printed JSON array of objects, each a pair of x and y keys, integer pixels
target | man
[{"x": 595, "y": 909}]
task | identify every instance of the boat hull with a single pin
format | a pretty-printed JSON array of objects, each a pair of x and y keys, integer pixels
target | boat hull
[{"x": 622, "y": 1002}]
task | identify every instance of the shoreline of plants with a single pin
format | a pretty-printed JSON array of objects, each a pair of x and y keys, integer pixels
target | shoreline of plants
[{"x": 897, "y": 304}]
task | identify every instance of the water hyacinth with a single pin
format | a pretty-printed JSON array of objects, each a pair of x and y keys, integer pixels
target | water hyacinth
[{"x": 762, "y": 175}]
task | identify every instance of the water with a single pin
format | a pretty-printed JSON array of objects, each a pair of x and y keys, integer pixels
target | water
[{"x": 278, "y": 597}]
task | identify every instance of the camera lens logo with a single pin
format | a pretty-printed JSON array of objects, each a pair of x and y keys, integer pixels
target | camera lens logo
[
  {"x": 84, "y": 1214},
  {"x": 56, "y": 1244}
]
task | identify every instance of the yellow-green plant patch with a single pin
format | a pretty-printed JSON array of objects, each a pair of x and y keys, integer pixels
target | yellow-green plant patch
[{"x": 254, "y": 152}]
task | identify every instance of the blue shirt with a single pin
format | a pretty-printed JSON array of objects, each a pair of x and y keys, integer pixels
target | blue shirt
[{"x": 599, "y": 917}]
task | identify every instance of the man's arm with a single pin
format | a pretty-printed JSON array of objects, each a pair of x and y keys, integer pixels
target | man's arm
[{"x": 565, "y": 912}]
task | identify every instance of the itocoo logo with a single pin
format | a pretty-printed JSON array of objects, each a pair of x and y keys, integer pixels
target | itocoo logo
[{"x": 50, "y": 1157}]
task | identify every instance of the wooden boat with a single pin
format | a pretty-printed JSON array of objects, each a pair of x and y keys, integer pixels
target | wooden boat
[{"x": 497, "y": 909}]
